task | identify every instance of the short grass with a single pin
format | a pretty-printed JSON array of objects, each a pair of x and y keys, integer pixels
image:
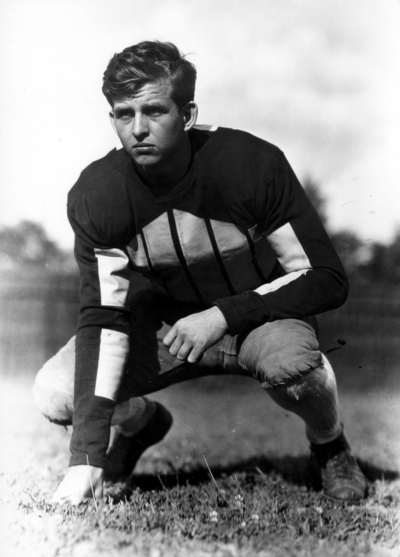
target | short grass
[{"x": 230, "y": 479}]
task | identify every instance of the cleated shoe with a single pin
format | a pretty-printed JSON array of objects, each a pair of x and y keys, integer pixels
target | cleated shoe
[
  {"x": 340, "y": 475},
  {"x": 126, "y": 451}
]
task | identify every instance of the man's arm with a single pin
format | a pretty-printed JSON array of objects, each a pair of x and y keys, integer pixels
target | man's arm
[
  {"x": 312, "y": 277},
  {"x": 102, "y": 345}
]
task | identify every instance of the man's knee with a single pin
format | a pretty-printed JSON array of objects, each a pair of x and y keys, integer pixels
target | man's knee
[
  {"x": 55, "y": 405},
  {"x": 54, "y": 384},
  {"x": 280, "y": 352}
]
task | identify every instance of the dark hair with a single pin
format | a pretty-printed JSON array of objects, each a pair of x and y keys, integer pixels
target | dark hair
[{"x": 146, "y": 62}]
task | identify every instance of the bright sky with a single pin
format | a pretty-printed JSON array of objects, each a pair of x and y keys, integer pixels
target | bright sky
[{"x": 319, "y": 79}]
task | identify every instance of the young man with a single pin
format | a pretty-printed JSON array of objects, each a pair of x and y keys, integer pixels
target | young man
[{"x": 199, "y": 253}]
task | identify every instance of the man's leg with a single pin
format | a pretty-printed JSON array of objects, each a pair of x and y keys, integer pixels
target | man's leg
[
  {"x": 138, "y": 417},
  {"x": 53, "y": 393},
  {"x": 53, "y": 390},
  {"x": 284, "y": 356}
]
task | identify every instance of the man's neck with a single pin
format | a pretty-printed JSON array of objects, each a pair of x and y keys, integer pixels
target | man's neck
[{"x": 161, "y": 181}]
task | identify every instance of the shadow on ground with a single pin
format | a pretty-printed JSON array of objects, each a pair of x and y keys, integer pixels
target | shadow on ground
[{"x": 294, "y": 470}]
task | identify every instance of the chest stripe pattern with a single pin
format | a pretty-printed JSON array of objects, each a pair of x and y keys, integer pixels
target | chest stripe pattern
[
  {"x": 179, "y": 252},
  {"x": 219, "y": 258},
  {"x": 201, "y": 259},
  {"x": 146, "y": 250},
  {"x": 253, "y": 257}
]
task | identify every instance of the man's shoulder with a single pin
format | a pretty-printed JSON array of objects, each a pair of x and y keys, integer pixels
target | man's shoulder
[
  {"x": 220, "y": 141},
  {"x": 98, "y": 204},
  {"x": 230, "y": 156},
  {"x": 114, "y": 159},
  {"x": 110, "y": 169}
]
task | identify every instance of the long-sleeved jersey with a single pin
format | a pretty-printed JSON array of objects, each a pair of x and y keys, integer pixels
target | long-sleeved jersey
[{"x": 237, "y": 232}]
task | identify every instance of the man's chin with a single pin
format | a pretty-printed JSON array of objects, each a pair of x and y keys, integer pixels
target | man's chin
[{"x": 145, "y": 159}]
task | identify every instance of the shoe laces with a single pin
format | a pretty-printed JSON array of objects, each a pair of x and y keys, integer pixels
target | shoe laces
[{"x": 342, "y": 465}]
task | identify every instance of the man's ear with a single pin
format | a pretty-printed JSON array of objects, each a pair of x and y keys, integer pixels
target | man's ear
[
  {"x": 112, "y": 120},
  {"x": 190, "y": 112}
]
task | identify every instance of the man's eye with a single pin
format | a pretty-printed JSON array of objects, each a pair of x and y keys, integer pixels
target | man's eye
[
  {"x": 154, "y": 112},
  {"x": 123, "y": 115}
]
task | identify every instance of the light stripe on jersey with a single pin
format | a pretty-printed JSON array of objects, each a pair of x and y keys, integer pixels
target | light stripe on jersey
[
  {"x": 113, "y": 276},
  {"x": 290, "y": 252},
  {"x": 114, "y": 347},
  {"x": 206, "y": 127},
  {"x": 278, "y": 283}
]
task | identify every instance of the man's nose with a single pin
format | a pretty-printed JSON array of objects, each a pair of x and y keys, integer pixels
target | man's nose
[{"x": 140, "y": 126}]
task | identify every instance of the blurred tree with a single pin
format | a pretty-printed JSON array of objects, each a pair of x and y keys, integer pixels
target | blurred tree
[
  {"x": 384, "y": 263},
  {"x": 373, "y": 262},
  {"x": 352, "y": 251},
  {"x": 27, "y": 243}
]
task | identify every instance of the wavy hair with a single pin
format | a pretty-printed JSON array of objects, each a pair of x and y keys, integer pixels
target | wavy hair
[{"x": 147, "y": 62}]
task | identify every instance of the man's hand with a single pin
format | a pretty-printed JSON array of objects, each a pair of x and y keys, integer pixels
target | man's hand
[
  {"x": 191, "y": 336},
  {"x": 79, "y": 483}
]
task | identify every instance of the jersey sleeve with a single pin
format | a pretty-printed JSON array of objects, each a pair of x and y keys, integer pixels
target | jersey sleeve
[
  {"x": 102, "y": 341},
  {"x": 312, "y": 277}
]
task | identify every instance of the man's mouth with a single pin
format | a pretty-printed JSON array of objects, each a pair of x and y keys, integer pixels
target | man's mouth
[{"x": 143, "y": 146}]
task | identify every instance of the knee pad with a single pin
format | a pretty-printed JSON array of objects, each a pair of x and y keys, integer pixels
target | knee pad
[
  {"x": 281, "y": 351},
  {"x": 289, "y": 366},
  {"x": 321, "y": 379}
]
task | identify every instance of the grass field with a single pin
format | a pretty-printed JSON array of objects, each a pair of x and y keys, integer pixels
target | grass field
[{"x": 230, "y": 479}]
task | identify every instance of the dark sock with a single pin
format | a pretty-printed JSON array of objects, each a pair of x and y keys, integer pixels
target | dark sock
[{"x": 326, "y": 451}]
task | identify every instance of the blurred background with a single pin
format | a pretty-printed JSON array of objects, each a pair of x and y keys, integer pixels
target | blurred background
[{"x": 319, "y": 79}]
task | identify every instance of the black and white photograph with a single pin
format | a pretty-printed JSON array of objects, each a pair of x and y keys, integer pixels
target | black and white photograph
[{"x": 199, "y": 278}]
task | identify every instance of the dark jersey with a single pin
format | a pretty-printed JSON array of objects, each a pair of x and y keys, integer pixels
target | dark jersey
[{"x": 238, "y": 232}]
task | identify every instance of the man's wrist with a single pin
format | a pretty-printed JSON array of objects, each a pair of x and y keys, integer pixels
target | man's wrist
[
  {"x": 91, "y": 432},
  {"x": 243, "y": 312},
  {"x": 230, "y": 313},
  {"x": 219, "y": 317}
]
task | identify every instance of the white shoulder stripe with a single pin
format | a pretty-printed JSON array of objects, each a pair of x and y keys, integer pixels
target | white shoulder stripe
[
  {"x": 278, "y": 283},
  {"x": 206, "y": 128},
  {"x": 114, "y": 348},
  {"x": 113, "y": 276},
  {"x": 290, "y": 252}
]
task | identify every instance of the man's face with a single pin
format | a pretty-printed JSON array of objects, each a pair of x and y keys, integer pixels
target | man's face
[{"x": 151, "y": 127}]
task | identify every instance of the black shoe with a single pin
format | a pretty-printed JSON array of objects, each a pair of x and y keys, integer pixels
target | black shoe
[
  {"x": 126, "y": 451},
  {"x": 341, "y": 477}
]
